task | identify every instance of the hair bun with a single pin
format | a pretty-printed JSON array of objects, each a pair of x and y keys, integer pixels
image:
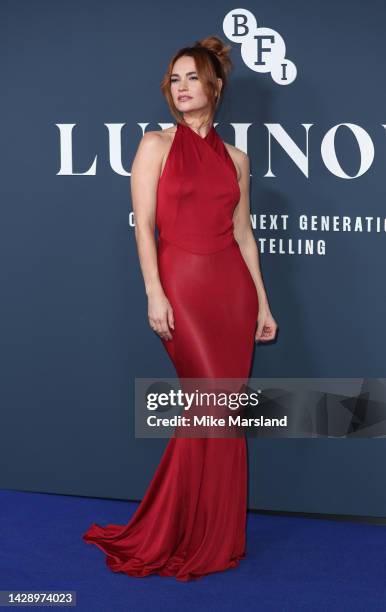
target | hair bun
[{"x": 219, "y": 48}]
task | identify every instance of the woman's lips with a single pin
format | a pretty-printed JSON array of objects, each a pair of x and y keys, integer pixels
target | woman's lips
[{"x": 184, "y": 98}]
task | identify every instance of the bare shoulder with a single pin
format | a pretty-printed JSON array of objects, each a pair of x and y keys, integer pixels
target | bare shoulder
[
  {"x": 154, "y": 146},
  {"x": 157, "y": 142},
  {"x": 240, "y": 159},
  {"x": 159, "y": 137},
  {"x": 168, "y": 131}
]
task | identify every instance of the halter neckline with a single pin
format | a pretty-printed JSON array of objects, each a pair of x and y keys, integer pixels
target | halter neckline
[{"x": 211, "y": 129}]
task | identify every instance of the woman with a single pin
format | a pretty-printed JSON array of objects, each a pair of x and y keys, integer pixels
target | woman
[{"x": 205, "y": 298}]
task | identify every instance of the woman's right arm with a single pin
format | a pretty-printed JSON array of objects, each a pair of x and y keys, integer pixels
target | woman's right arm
[{"x": 145, "y": 173}]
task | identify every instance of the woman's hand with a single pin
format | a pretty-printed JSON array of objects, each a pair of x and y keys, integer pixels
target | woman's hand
[
  {"x": 266, "y": 326},
  {"x": 160, "y": 314}
]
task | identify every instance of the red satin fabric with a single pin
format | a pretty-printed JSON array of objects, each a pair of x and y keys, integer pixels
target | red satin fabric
[
  {"x": 197, "y": 193},
  {"x": 192, "y": 519}
]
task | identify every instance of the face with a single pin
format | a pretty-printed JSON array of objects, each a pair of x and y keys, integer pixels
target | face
[{"x": 186, "y": 88}]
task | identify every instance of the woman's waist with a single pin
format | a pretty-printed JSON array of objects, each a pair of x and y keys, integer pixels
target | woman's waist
[{"x": 200, "y": 244}]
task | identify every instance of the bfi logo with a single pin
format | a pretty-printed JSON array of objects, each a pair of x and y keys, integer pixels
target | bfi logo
[{"x": 262, "y": 49}]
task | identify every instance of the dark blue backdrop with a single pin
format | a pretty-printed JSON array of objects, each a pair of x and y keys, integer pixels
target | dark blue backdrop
[{"x": 74, "y": 329}]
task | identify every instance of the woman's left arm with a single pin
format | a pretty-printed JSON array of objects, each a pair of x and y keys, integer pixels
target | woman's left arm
[{"x": 242, "y": 229}]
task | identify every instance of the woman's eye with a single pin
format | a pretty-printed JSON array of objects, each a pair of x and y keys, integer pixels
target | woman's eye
[{"x": 191, "y": 77}]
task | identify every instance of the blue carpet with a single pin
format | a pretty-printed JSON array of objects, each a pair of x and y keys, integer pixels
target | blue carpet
[{"x": 292, "y": 563}]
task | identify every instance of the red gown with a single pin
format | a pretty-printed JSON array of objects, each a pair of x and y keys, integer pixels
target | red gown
[{"x": 192, "y": 518}]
